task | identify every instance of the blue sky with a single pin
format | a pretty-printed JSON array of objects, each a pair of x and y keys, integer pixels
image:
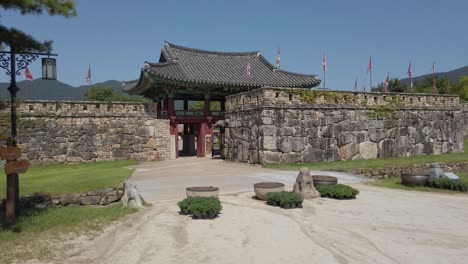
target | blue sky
[{"x": 116, "y": 37}]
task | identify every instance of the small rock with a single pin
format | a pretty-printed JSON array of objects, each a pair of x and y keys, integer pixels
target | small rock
[{"x": 435, "y": 171}]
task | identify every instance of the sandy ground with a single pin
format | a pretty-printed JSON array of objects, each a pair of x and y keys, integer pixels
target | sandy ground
[{"x": 381, "y": 226}]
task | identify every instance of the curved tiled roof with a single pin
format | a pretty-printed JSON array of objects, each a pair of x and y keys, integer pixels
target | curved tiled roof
[{"x": 188, "y": 65}]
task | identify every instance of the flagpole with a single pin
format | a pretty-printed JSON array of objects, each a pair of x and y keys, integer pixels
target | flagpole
[
  {"x": 370, "y": 72},
  {"x": 324, "y": 77},
  {"x": 434, "y": 86}
]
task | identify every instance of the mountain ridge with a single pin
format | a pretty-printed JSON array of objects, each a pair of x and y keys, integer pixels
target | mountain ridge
[{"x": 39, "y": 89}]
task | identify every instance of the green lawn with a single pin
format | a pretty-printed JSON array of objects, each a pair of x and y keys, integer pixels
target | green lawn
[
  {"x": 395, "y": 183},
  {"x": 31, "y": 235},
  {"x": 374, "y": 163},
  {"x": 70, "y": 178}
]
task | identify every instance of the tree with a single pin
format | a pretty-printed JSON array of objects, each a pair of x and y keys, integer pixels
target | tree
[
  {"x": 394, "y": 86},
  {"x": 108, "y": 94},
  {"x": 461, "y": 88},
  {"x": 23, "y": 42},
  {"x": 425, "y": 85}
]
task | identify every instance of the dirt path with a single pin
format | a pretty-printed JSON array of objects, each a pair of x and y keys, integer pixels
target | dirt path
[{"x": 381, "y": 226}]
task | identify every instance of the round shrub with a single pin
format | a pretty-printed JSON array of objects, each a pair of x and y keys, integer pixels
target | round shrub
[
  {"x": 200, "y": 207},
  {"x": 284, "y": 199},
  {"x": 338, "y": 191}
]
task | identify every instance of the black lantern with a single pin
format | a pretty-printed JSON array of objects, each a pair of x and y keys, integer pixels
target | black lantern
[{"x": 49, "y": 69}]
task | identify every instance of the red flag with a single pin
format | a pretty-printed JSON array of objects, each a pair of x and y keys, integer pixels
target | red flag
[
  {"x": 278, "y": 59},
  {"x": 387, "y": 83},
  {"x": 369, "y": 66},
  {"x": 409, "y": 70},
  {"x": 27, "y": 74},
  {"x": 355, "y": 85},
  {"x": 88, "y": 77},
  {"x": 324, "y": 61}
]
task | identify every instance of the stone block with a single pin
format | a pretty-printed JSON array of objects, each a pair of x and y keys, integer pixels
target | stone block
[
  {"x": 298, "y": 144},
  {"x": 349, "y": 150},
  {"x": 291, "y": 157},
  {"x": 387, "y": 148},
  {"x": 151, "y": 144},
  {"x": 345, "y": 138},
  {"x": 269, "y": 142},
  {"x": 332, "y": 154},
  {"x": 90, "y": 200},
  {"x": 69, "y": 198},
  {"x": 268, "y": 130},
  {"x": 368, "y": 150},
  {"x": 312, "y": 155},
  {"x": 284, "y": 144},
  {"x": 377, "y": 135},
  {"x": 271, "y": 157},
  {"x": 362, "y": 136}
]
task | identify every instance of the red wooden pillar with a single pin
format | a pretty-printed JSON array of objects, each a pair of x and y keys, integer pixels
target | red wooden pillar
[
  {"x": 174, "y": 131},
  {"x": 201, "y": 140}
]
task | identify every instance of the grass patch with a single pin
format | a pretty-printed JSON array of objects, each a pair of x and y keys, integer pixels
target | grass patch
[
  {"x": 395, "y": 183},
  {"x": 375, "y": 163},
  {"x": 28, "y": 238},
  {"x": 70, "y": 178}
]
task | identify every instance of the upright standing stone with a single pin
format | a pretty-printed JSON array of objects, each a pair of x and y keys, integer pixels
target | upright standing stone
[
  {"x": 304, "y": 185},
  {"x": 131, "y": 198}
]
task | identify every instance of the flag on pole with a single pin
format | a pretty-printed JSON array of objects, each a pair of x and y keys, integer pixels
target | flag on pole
[
  {"x": 410, "y": 73},
  {"x": 27, "y": 74},
  {"x": 278, "y": 59},
  {"x": 88, "y": 76},
  {"x": 369, "y": 66},
  {"x": 355, "y": 85},
  {"x": 387, "y": 83},
  {"x": 434, "y": 85},
  {"x": 324, "y": 61}
]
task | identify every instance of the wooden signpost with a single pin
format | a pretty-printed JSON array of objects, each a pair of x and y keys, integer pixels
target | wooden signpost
[{"x": 11, "y": 154}]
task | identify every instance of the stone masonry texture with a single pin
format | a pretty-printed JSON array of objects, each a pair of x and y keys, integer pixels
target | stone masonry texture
[
  {"x": 59, "y": 132},
  {"x": 273, "y": 125}
]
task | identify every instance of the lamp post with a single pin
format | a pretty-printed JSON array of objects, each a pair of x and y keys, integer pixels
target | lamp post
[{"x": 13, "y": 62}]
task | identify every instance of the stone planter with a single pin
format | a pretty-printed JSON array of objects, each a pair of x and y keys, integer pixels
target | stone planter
[
  {"x": 205, "y": 191},
  {"x": 414, "y": 179},
  {"x": 324, "y": 180},
  {"x": 263, "y": 188}
]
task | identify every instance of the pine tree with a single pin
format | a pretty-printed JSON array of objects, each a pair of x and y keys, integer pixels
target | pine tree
[{"x": 23, "y": 42}]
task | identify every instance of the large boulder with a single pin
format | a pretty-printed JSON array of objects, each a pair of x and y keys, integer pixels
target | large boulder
[
  {"x": 131, "y": 197},
  {"x": 304, "y": 185}
]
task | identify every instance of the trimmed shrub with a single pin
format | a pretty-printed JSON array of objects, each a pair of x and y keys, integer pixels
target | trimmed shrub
[
  {"x": 200, "y": 207},
  {"x": 284, "y": 199},
  {"x": 448, "y": 184},
  {"x": 338, "y": 191}
]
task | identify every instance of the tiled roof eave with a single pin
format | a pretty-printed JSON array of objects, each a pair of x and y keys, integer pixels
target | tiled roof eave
[{"x": 160, "y": 75}]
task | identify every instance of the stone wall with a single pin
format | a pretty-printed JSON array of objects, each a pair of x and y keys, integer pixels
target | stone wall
[
  {"x": 273, "y": 125},
  {"x": 396, "y": 171},
  {"x": 99, "y": 197},
  {"x": 89, "y": 131}
]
